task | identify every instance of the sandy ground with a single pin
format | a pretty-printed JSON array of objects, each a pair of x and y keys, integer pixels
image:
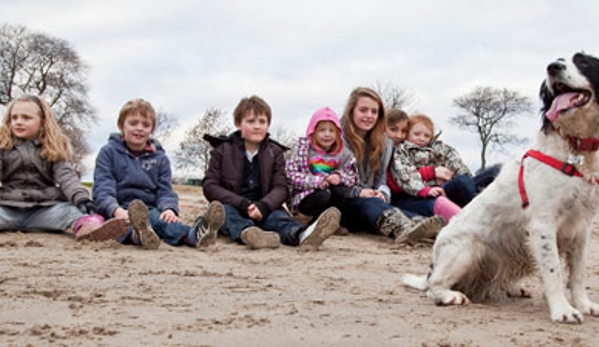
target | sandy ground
[{"x": 56, "y": 292}]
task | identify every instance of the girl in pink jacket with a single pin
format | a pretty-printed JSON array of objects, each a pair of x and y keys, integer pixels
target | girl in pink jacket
[{"x": 321, "y": 171}]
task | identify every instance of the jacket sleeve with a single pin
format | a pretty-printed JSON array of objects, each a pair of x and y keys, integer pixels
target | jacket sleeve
[
  {"x": 64, "y": 173},
  {"x": 214, "y": 189},
  {"x": 452, "y": 159},
  {"x": 166, "y": 198},
  {"x": 405, "y": 173},
  {"x": 104, "y": 191},
  {"x": 298, "y": 173},
  {"x": 348, "y": 170},
  {"x": 381, "y": 183}
]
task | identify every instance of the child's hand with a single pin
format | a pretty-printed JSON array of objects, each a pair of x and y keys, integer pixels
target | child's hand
[
  {"x": 371, "y": 193},
  {"x": 121, "y": 213},
  {"x": 443, "y": 174},
  {"x": 380, "y": 195},
  {"x": 324, "y": 184},
  {"x": 254, "y": 212},
  {"x": 169, "y": 216},
  {"x": 436, "y": 191},
  {"x": 367, "y": 193},
  {"x": 334, "y": 179}
]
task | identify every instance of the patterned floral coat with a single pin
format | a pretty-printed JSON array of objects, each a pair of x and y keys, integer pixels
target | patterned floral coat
[{"x": 408, "y": 158}]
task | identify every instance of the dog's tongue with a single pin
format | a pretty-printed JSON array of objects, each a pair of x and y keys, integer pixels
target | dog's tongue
[{"x": 560, "y": 103}]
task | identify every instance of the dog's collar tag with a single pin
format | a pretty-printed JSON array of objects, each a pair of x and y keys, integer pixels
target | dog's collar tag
[{"x": 575, "y": 159}]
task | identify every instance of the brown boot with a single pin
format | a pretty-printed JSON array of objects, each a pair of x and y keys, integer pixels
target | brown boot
[
  {"x": 420, "y": 228},
  {"x": 256, "y": 238},
  {"x": 392, "y": 222},
  {"x": 93, "y": 228},
  {"x": 143, "y": 234}
]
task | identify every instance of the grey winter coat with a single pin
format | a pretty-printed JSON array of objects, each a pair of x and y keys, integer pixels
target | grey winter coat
[{"x": 28, "y": 180}]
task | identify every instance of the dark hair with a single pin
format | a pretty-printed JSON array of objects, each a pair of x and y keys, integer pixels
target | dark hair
[
  {"x": 254, "y": 104},
  {"x": 395, "y": 116}
]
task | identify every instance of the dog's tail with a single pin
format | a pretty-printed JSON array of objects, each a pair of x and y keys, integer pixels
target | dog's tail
[{"x": 416, "y": 281}]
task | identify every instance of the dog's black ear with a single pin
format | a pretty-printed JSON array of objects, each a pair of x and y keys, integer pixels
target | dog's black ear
[
  {"x": 588, "y": 65},
  {"x": 547, "y": 98}
]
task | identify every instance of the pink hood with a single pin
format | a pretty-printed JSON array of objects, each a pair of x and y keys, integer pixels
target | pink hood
[{"x": 321, "y": 115}]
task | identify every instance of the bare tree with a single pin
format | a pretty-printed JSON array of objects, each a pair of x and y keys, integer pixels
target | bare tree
[
  {"x": 166, "y": 123},
  {"x": 39, "y": 64},
  {"x": 193, "y": 154},
  {"x": 394, "y": 96},
  {"x": 285, "y": 136},
  {"x": 488, "y": 112}
]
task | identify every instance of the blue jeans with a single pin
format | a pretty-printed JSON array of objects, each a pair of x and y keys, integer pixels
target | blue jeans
[
  {"x": 358, "y": 214},
  {"x": 277, "y": 221},
  {"x": 485, "y": 177},
  {"x": 415, "y": 204},
  {"x": 58, "y": 217},
  {"x": 460, "y": 189},
  {"x": 172, "y": 233}
]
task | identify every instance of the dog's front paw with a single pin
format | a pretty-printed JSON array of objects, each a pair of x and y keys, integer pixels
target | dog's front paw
[
  {"x": 518, "y": 292},
  {"x": 451, "y": 297},
  {"x": 589, "y": 308},
  {"x": 569, "y": 315}
]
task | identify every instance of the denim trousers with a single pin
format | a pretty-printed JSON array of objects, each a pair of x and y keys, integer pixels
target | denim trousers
[
  {"x": 172, "y": 233},
  {"x": 58, "y": 217},
  {"x": 461, "y": 189},
  {"x": 277, "y": 221},
  {"x": 359, "y": 214},
  {"x": 415, "y": 204}
]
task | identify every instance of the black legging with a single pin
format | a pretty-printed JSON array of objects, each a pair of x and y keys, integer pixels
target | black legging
[{"x": 318, "y": 201}]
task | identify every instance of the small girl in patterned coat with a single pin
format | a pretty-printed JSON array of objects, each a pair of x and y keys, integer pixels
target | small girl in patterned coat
[
  {"x": 321, "y": 171},
  {"x": 431, "y": 174}
]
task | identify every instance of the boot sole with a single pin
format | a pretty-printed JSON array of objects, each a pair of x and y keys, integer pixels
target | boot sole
[
  {"x": 113, "y": 229},
  {"x": 140, "y": 220},
  {"x": 427, "y": 228},
  {"x": 255, "y": 238},
  {"x": 328, "y": 223},
  {"x": 216, "y": 217}
]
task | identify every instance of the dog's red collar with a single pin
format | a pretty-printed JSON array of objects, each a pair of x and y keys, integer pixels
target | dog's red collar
[
  {"x": 578, "y": 144},
  {"x": 566, "y": 168}
]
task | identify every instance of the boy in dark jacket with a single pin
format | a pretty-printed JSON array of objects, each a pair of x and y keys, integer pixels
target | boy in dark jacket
[
  {"x": 132, "y": 181},
  {"x": 247, "y": 174}
]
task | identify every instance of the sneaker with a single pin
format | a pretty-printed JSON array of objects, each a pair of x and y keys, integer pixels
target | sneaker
[
  {"x": 113, "y": 229},
  {"x": 325, "y": 226},
  {"x": 428, "y": 228},
  {"x": 143, "y": 233},
  {"x": 256, "y": 238},
  {"x": 206, "y": 226}
]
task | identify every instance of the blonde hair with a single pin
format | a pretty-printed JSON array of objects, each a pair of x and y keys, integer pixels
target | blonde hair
[
  {"x": 55, "y": 144},
  {"x": 375, "y": 137},
  {"x": 422, "y": 119},
  {"x": 139, "y": 106}
]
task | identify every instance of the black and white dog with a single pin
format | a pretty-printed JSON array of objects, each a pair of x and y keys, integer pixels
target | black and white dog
[{"x": 537, "y": 210}]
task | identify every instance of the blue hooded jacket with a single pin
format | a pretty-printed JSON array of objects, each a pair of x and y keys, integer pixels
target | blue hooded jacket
[{"x": 120, "y": 177}]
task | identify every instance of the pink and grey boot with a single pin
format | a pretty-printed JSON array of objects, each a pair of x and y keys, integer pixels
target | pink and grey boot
[
  {"x": 445, "y": 208},
  {"x": 94, "y": 228}
]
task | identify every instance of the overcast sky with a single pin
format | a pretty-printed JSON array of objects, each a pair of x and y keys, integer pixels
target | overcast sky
[{"x": 187, "y": 56}]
